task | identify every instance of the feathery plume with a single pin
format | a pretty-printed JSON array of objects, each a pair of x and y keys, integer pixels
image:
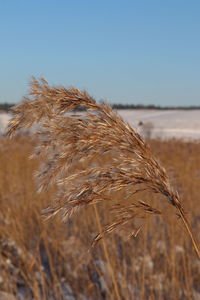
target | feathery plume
[{"x": 66, "y": 138}]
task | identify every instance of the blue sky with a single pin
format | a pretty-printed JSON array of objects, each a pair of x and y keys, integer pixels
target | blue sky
[{"x": 123, "y": 51}]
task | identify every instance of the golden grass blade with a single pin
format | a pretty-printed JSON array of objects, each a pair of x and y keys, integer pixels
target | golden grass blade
[{"x": 189, "y": 230}]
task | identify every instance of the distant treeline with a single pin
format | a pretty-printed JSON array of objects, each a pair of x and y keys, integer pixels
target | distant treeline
[
  {"x": 7, "y": 106},
  {"x": 151, "y": 106}
]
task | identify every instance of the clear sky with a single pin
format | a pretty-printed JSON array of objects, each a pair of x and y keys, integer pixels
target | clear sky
[{"x": 123, "y": 51}]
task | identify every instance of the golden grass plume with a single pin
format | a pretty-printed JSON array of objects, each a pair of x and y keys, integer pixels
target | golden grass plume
[{"x": 67, "y": 138}]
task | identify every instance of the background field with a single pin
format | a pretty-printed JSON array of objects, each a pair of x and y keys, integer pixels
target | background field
[
  {"x": 183, "y": 124},
  {"x": 167, "y": 123},
  {"x": 50, "y": 260}
]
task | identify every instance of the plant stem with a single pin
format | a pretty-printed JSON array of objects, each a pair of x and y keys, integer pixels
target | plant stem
[
  {"x": 189, "y": 230},
  {"x": 105, "y": 249}
]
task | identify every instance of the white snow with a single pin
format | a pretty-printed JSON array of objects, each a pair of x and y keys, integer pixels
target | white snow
[
  {"x": 165, "y": 123},
  {"x": 168, "y": 123},
  {"x": 4, "y": 119}
]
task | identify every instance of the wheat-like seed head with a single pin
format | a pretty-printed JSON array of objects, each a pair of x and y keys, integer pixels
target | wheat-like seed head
[{"x": 65, "y": 139}]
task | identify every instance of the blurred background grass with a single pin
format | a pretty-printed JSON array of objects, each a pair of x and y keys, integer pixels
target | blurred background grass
[{"x": 50, "y": 259}]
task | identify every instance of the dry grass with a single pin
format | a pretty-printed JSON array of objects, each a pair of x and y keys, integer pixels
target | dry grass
[
  {"x": 91, "y": 159},
  {"x": 49, "y": 260},
  {"x": 72, "y": 145}
]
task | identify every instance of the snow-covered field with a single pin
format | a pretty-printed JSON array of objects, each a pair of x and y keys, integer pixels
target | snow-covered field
[
  {"x": 4, "y": 119},
  {"x": 158, "y": 123},
  {"x": 166, "y": 123}
]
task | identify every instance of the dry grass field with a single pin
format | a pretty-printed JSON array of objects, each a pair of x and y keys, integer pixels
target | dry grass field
[{"x": 53, "y": 260}]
